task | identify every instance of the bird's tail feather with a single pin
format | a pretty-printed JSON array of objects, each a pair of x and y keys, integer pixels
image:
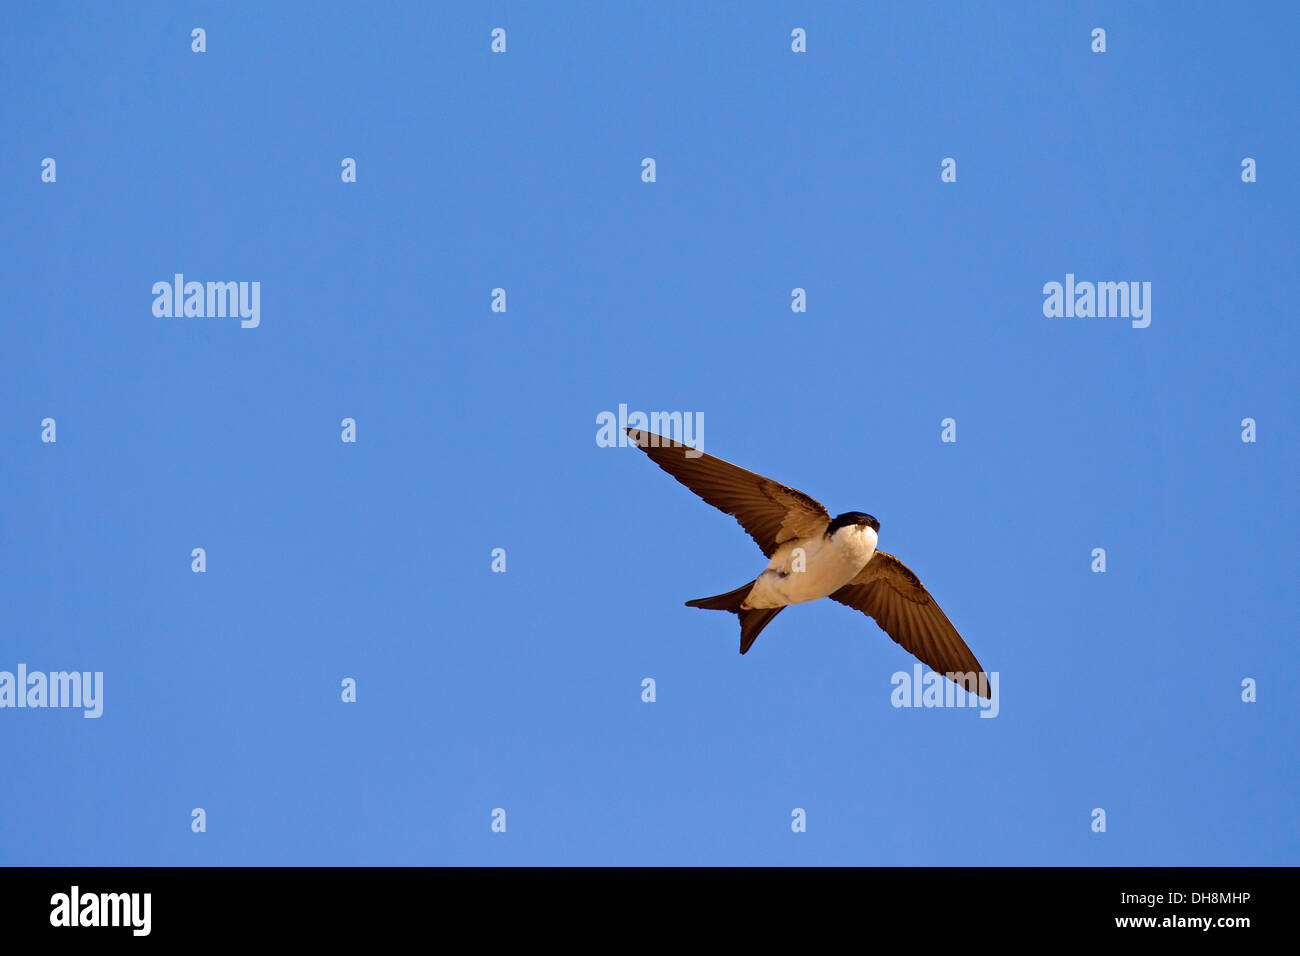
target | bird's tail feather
[
  {"x": 730, "y": 601},
  {"x": 752, "y": 620}
]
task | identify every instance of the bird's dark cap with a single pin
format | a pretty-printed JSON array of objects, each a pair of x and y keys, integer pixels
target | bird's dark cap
[{"x": 853, "y": 518}]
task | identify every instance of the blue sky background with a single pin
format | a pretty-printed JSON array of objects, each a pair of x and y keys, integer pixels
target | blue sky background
[{"x": 477, "y": 430}]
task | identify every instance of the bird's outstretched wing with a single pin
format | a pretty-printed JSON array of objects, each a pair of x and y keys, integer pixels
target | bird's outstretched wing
[
  {"x": 771, "y": 512},
  {"x": 887, "y": 590}
]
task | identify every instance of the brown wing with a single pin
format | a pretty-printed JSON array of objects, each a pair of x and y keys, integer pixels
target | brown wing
[
  {"x": 771, "y": 512},
  {"x": 887, "y": 590}
]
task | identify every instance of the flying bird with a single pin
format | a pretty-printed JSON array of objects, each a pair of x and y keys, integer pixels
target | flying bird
[{"x": 812, "y": 556}]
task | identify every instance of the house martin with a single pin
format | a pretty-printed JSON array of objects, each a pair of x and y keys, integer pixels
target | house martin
[{"x": 813, "y": 556}]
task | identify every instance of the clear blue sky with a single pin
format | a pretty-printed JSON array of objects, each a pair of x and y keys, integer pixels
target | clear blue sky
[{"x": 476, "y": 430}]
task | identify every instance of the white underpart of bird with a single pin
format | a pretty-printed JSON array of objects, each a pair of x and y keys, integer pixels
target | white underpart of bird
[{"x": 828, "y": 562}]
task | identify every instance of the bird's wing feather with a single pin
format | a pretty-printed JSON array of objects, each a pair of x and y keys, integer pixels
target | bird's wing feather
[
  {"x": 771, "y": 512},
  {"x": 887, "y": 590}
]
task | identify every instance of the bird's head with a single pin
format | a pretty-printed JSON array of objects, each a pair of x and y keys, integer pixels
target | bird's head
[{"x": 853, "y": 519}]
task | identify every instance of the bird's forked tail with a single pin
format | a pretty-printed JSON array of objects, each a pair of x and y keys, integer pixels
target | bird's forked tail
[{"x": 752, "y": 620}]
